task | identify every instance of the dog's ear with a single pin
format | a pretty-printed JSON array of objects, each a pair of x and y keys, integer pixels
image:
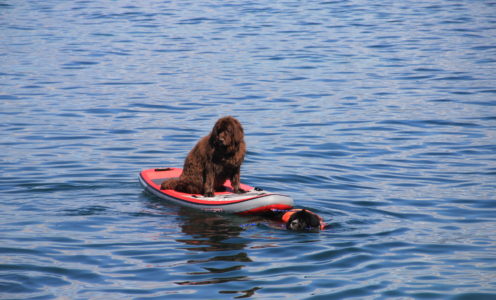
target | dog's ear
[
  {"x": 314, "y": 220},
  {"x": 216, "y": 128},
  {"x": 237, "y": 131},
  {"x": 215, "y": 132}
]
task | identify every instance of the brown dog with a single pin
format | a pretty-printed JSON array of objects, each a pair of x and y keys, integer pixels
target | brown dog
[{"x": 215, "y": 158}]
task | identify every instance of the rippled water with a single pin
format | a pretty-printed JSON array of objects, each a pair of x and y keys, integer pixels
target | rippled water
[{"x": 378, "y": 115}]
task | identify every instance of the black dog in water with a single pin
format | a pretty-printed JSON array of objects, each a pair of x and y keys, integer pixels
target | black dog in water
[{"x": 298, "y": 219}]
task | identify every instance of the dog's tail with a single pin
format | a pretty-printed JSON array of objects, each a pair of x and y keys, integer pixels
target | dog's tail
[
  {"x": 182, "y": 185},
  {"x": 169, "y": 184}
]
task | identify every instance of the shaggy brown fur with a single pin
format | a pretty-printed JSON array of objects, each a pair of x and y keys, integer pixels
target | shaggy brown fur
[{"x": 215, "y": 158}]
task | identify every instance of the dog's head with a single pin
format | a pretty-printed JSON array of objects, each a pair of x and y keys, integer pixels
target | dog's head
[
  {"x": 227, "y": 134},
  {"x": 303, "y": 220}
]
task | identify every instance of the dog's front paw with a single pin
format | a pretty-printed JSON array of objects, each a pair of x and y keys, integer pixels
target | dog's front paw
[
  {"x": 239, "y": 191},
  {"x": 208, "y": 194}
]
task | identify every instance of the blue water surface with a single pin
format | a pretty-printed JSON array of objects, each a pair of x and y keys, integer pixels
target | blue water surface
[{"x": 378, "y": 115}]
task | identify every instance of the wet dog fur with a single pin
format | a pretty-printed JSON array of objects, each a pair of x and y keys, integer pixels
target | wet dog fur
[
  {"x": 303, "y": 220},
  {"x": 214, "y": 159}
]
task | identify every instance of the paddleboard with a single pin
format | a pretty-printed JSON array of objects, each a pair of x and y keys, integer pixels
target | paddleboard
[{"x": 254, "y": 201}]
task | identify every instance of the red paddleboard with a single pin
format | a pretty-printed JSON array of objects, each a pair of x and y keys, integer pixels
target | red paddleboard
[{"x": 254, "y": 201}]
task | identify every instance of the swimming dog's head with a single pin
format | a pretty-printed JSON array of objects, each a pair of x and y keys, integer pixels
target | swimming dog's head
[{"x": 304, "y": 220}]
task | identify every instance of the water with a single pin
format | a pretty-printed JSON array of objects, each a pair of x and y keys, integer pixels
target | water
[{"x": 377, "y": 115}]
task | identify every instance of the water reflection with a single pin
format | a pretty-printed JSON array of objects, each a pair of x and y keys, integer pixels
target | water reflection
[
  {"x": 219, "y": 251},
  {"x": 210, "y": 232}
]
